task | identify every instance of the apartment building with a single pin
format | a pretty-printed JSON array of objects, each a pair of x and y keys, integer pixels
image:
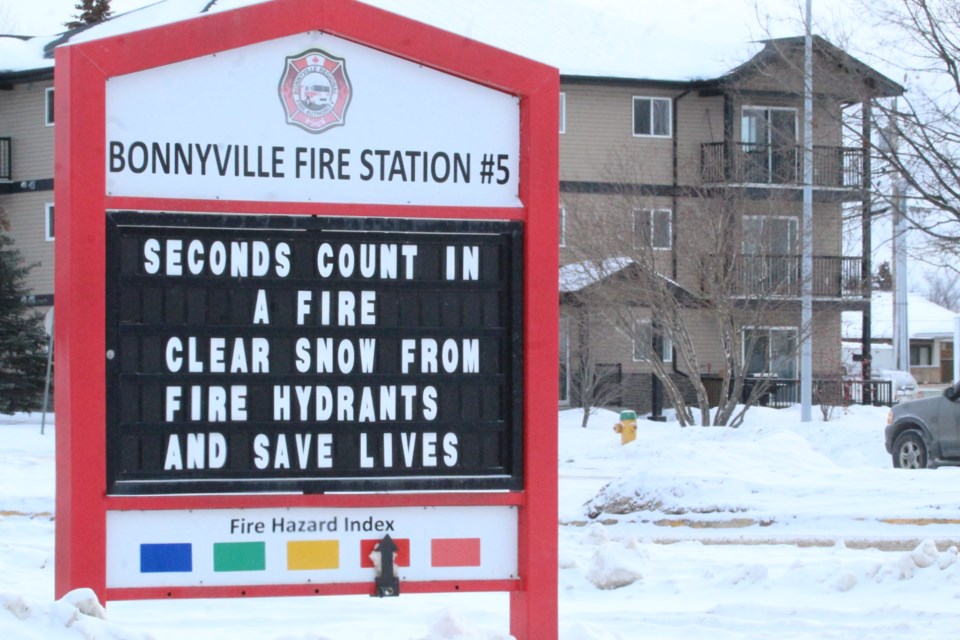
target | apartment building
[
  {"x": 668, "y": 170},
  {"x": 701, "y": 181},
  {"x": 26, "y": 166}
]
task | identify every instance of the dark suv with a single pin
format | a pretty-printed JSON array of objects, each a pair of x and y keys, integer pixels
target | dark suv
[{"x": 925, "y": 433}]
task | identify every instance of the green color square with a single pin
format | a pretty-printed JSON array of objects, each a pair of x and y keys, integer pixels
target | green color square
[{"x": 239, "y": 556}]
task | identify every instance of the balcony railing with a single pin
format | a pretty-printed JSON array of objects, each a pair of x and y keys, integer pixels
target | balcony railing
[
  {"x": 778, "y": 275},
  {"x": 784, "y": 392},
  {"x": 6, "y": 170},
  {"x": 748, "y": 163}
]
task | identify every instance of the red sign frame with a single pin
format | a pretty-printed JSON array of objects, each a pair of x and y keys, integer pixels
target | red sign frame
[{"x": 82, "y": 71}]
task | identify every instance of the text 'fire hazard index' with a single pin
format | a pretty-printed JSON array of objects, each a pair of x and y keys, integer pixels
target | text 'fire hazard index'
[
  {"x": 276, "y": 353},
  {"x": 218, "y": 547}
]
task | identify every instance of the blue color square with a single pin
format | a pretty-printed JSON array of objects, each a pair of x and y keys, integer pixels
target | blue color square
[{"x": 166, "y": 558}]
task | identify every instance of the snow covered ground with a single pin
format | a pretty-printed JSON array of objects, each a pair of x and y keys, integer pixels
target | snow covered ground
[{"x": 774, "y": 530}]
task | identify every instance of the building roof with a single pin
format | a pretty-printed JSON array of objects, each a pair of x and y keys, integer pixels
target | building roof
[
  {"x": 925, "y": 319},
  {"x": 868, "y": 80},
  {"x": 581, "y": 279},
  {"x": 20, "y": 55},
  {"x": 676, "y": 43},
  {"x": 578, "y": 276}
]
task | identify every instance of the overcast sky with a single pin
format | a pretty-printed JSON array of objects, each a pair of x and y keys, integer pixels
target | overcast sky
[{"x": 41, "y": 17}]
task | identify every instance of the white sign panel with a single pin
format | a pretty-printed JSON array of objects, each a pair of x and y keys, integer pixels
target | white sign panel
[
  {"x": 311, "y": 118},
  {"x": 223, "y": 547}
]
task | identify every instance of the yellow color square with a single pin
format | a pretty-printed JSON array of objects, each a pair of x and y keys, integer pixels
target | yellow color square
[{"x": 313, "y": 554}]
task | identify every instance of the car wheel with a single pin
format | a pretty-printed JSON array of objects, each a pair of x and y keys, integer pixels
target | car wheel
[{"x": 910, "y": 451}]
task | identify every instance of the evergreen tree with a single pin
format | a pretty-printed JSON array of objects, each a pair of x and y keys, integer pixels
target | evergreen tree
[
  {"x": 90, "y": 12},
  {"x": 883, "y": 279},
  {"x": 23, "y": 341}
]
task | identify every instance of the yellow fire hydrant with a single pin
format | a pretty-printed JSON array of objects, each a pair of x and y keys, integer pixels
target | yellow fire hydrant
[{"x": 627, "y": 427}]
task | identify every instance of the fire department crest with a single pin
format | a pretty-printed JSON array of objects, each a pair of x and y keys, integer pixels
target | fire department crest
[{"x": 315, "y": 90}]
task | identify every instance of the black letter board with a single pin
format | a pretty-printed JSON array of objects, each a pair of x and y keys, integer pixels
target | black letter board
[{"x": 312, "y": 354}]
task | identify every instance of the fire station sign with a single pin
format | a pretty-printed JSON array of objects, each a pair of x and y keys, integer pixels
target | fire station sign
[
  {"x": 384, "y": 130},
  {"x": 312, "y": 354},
  {"x": 307, "y": 278}
]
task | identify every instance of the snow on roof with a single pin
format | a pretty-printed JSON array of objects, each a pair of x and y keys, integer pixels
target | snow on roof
[
  {"x": 855, "y": 346},
  {"x": 650, "y": 40},
  {"x": 675, "y": 43},
  {"x": 580, "y": 275},
  {"x": 17, "y": 54},
  {"x": 925, "y": 319},
  {"x": 159, "y": 13}
]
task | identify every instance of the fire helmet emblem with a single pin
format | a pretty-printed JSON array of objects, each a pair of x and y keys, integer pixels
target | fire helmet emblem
[{"x": 315, "y": 90}]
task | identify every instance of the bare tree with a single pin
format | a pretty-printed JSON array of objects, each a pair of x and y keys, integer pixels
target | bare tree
[
  {"x": 915, "y": 141},
  {"x": 944, "y": 290},
  {"x": 729, "y": 283},
  {"x": 8, "y": 23},
  {"x": 596, "y": 384},
  {"x": 727, "y": 279},
  {"x": 920, "y": 132}
]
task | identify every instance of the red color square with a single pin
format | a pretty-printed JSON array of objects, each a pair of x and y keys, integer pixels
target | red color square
[
  {"x": 455, "y": 552},
  {"x": 402, "y": 558}
]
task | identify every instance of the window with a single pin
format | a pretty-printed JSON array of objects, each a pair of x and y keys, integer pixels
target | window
[
  {"x": 48, "y": 108},
  {"x": 770, "y": 235},
  {"x": 770, "y": 351},
  {"x": 563, "y": 113},
  {"x": 48, "y": 218},
  {"x": 769, "y": 136},
  {"x": 921, "y": 355},
  {"x": 651, "y": 117},
  {"x": 564, "y": 360},
  {"x": 643, "y": 340},
  {"x": 652, "y": 228},
  {"x": 770, "y": 259},
  {"x": 563, "y": 227}
]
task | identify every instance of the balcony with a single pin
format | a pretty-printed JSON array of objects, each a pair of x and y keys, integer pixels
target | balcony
[
  {"x": 780, "y": 276},
  {"x": 785, "y": 392},
  {"x": 6, "y": 169},
  {"x": 774, "y": 165}
]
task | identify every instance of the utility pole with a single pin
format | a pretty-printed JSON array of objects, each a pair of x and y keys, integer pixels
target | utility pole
[
  {"x": 806, "y": 309},
  {"x": 901, "y": 328},
  {"x": 866, "y": 225},
  {"x": 956, "y": 351},
  {"x": 901, "y": 332}
]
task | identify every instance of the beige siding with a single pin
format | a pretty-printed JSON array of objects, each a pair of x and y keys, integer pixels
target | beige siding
[
  {"x": 787, "y": 76},
  {"x": 27, "y": 228},
  {"x": 827, "y": 230},
  {"x": 599, "y": 145},
  {"x": 600, "y": 226},
  {"x": 826, "y": 337},
  {"x": 702, "y": 327},
  {"x": 607, "y": 343},
  {"x": 22, "y": 119},
  {"x": 700, "y": 121}
]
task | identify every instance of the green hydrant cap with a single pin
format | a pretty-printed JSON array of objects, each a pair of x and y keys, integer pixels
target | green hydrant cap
[{"x": 628, "y": 415}]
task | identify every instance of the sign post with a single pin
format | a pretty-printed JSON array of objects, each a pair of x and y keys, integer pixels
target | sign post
[{"x": 306, "y": 271}]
